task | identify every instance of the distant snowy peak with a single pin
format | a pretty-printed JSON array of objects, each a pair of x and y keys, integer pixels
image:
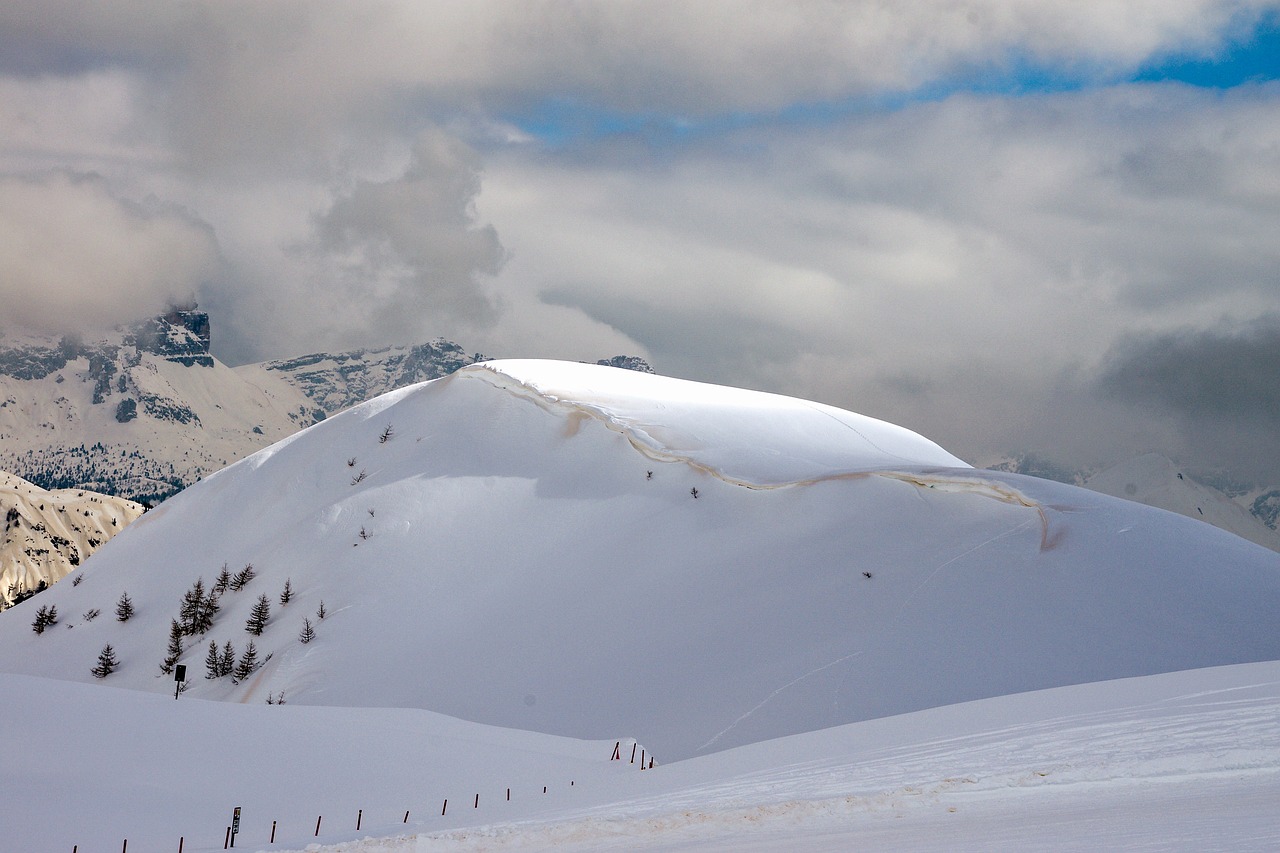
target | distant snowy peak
[
  {"x": 1156, "y": 481},
  {"x": 47, "y": 535},
  {"x": 141, "y": 411},
  {"x": 748, "y": 437}
]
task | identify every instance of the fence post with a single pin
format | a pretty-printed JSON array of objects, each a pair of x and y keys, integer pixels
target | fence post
[
  {"x": 359, "y": 817},
  {"x": 226, "y": 841},
  {"x": 477, "y": 805},
  {"x": 406, "y": 816},
  {"x": 273, "y": 832},
  {"x": 181, "y": 838},
  {"x": 318, "y": 825},
  {"x": 445, "y": 807}
]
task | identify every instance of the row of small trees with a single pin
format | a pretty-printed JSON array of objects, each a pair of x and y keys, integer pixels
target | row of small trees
[{"x": 48, "y": 614}]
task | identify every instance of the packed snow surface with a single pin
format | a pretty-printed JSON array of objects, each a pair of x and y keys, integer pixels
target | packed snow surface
[
  {"x": 597, "y": 553},
  {"x": 1187, "y": 761}
]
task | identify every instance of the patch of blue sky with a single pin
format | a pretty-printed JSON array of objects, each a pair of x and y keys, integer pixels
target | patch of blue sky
[
  {"x": 561, "y": 122},
  {"x": 1253, "y": 59}
]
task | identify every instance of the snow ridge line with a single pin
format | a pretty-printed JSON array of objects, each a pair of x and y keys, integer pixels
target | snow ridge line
[{"x": 646, "y": 445}]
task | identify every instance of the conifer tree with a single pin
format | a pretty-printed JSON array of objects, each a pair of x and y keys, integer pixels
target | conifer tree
[
  {"x": 287, "y": 594},
  {"x": 189, "y": 611},
  {"x": 124, "y": 607},
  {"x": 243, "y": 577},
  {"x": 320, "y": 611},
  {"x": 209, "y": 606},
  {"x": 227, "y": 660},
  {"x": 258, "y": 616},
  {"x": 212, "y": 661},
  {"x": 308, "y": 633},
  {"x": 174, "y": 651},
  {"x": 248, "y": 663},
  {"x": 223, "y": 581},
  {"x": 107, "y": 662}
]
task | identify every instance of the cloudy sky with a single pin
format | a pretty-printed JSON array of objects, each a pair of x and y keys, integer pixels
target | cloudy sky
[{"x": 1048, "y": 227}]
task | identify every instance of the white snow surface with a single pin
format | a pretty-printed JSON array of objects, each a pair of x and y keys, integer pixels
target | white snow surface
[
  {"x": 525, "y": 550},
  {"x": 1181, "y": 761}
]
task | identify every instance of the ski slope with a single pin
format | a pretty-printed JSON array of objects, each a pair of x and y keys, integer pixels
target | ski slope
[{"x": 1187, "y": 760}]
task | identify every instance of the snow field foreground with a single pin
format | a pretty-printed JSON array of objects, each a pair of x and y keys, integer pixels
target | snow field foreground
[
  {"x": 1187, "y": 760},
  {"x": 590, "y": 552},
  {"x": 1181, "y": 761}
]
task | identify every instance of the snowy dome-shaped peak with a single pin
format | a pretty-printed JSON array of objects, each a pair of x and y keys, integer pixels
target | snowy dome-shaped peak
[{"x": 748, "y": 437}]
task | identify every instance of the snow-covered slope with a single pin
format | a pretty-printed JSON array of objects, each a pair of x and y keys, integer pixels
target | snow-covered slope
[
  {"x": 48, "y": 534},
  {"x": 1185, "y": 761},
  {"x": 590, "y": 552},
  {"x": 1154, "y": 480}
]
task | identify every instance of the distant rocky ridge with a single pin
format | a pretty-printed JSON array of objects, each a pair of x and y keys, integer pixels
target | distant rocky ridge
[
  {"x": 140, "y": 411},
  {"x": 47, "y": 535},
  {"x": 337, "y": 381},
  {"x": 144, "y": 410}
]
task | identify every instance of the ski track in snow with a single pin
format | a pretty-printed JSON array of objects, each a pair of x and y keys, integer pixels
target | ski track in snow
[{"x": 768, "y": 698}]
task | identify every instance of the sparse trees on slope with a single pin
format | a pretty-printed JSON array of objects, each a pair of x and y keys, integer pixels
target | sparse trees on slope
[
  {"x": 258, "y": 616},
  {"x": 124, "y": 607},
  {"x": 45, "y": 617},
  {"x": 107, "y": 662}
]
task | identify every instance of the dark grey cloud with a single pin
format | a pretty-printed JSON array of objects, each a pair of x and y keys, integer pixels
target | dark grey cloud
[
  {"x": 1220, "y": 386},
  {"x": 1202, "y": 374}
]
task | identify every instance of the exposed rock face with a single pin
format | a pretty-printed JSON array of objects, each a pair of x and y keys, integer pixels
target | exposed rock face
[
  {"x": 337, "y": 381},
  {"x": 627, "y": 362},
  {"x": 47, "y": 535}
]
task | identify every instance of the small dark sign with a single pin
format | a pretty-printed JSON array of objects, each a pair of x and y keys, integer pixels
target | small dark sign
[
  {"x": 235, "y": 821},
  {"x": 180, "y": 674}
]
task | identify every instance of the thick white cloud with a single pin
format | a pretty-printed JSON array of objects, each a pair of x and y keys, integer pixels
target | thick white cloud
[
  {"x": 959, "y": 265},
  {"x": 73, "y": 255}
]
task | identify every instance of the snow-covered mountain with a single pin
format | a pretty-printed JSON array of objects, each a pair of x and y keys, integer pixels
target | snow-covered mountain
[
  {"x": 1154, "y": 480},
  {"x": 140, "y": 412},
  {"x": 145, "y": 410},
  {"x": 593, "y": 552},
  {"x": 49, "y": 534}
]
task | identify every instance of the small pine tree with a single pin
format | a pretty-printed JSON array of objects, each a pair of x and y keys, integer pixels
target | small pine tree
[
  {"x": 308, "y": 633},
  {"x": 91, "y": 614},
  {"x": 320, "y": 611},
  {"x": 287, "y": 594},
  {"x": 189, "y": 611},
  {"x": 205, "y": 613},
  {"x": 45, "y": 617},
  {"x": 248, "y": 663},
  {"x": 124, "y": 607},
  {"x": 227, "y": 661},
  {"x": 107, "y": 662},
  {"x": 258, "y": 616},
  {"x": 174, "y": 652},
  {"x": 213, "y": 661},
  {"x": 242, "y": 577},
  {"x": 223, "y": 580}
]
